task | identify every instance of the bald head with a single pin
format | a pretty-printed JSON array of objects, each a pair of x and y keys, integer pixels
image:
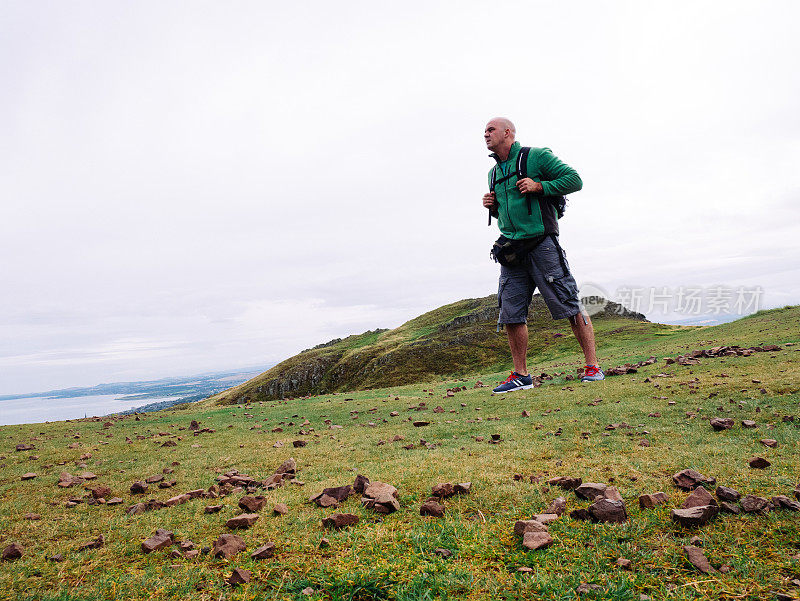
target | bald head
[
  {"x": 499, "y": 135},
  {"x": 504, "y": 123}
]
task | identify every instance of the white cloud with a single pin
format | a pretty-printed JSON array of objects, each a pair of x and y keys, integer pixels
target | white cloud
[{"x": 231, "y": 185}]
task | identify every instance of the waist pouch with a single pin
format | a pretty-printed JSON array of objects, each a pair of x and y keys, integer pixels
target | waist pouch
[{"x": 511, "y": 253}]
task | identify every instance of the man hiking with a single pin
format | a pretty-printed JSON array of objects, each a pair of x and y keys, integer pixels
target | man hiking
[{"x": 527, "y": 188}]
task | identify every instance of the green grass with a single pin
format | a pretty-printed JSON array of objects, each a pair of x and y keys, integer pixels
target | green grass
[{"x": 391, "y": 557}]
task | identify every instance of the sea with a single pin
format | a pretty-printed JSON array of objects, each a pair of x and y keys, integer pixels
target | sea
[{"x": 32, "y": 410}]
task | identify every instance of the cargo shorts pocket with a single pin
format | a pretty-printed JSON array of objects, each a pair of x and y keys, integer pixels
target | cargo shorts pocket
[
  {"x": 552, "y": 262},
  {"x": 565, "y": 288},
  {"x": 500, "y": 287}
]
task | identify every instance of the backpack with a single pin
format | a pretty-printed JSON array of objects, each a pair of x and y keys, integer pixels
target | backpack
[{"x": 558, "y": 202}]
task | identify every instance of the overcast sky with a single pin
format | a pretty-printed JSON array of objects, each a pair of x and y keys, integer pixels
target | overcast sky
[{"x": 200, "y": 186}]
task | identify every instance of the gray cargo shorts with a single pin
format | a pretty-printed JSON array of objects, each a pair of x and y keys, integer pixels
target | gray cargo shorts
[{"x": 545, "y": 268}]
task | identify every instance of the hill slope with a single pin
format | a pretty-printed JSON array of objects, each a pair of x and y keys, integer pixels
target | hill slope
[{"x": 452, "y": 340}]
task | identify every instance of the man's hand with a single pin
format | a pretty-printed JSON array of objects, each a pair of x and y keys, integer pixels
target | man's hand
[
  {"x": 489, "y": 200},
  {"x": 528, "y": 186}
]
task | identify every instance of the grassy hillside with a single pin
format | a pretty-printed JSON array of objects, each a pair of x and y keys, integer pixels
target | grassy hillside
[
  {"x": 450, "y": 341},
  {"x": 592, "y": 431}
]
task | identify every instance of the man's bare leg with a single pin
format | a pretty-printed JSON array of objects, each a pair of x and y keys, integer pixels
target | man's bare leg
[
  {"x": 584, "y": 332},
  {"x": 518, "y": 341}
]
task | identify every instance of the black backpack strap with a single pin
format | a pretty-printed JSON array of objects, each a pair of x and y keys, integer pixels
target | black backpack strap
[
  {"x": 560, "y": 252},
  {"x": 522, "y": 170},
  {"x": 522, "y": 162},
  {"x": 491, "y": 189}
]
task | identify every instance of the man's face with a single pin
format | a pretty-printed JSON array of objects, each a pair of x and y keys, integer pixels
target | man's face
[{"x": 494, "y": 134}]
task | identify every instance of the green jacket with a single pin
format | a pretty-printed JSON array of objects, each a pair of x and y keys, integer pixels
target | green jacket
[{"x": 557, "y": 179}]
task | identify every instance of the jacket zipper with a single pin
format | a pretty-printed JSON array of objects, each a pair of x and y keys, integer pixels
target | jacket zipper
[{"x": 505, "y": 191}]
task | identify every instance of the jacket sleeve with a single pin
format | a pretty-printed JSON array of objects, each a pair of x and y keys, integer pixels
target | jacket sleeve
[{"x": 558, "y": 178}]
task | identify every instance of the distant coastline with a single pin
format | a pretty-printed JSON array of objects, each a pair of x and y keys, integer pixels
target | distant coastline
[{"x": 118, "y": 397}]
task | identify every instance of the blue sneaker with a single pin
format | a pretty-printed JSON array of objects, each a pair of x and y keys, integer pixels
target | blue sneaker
[
  {"x": 592, "y": 373},
  {"x": 515, "y": 382}
]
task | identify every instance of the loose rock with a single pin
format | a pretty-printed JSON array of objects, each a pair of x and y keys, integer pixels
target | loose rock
[
  {"x": 557, "y": 506},
  {"x": 12, "y": 551},
  {"x": 523, "y": 526},
  {"x": 340, "y": 493},
  {"x": 565, "y": 482},
  {"x": 381, "y": 497},
  {"x": 725, "y": 493},
  {"x": 238, "y": 576},
  {"x": 288, "y": 467},
  {"x": 606, "y": 510},
  {"x": 690, "y": 479},
  {"x": 101, "y": 492},
  {"x": 66, "y": 480},
  {"x": 784, "y": 502},
  {"x": 580, "y": 514},
  {"x": 721, "y": 423},
  {"x": 698, "y": 559},
  {"x": 360, "y": 484},
  {"x": 536, "y": 540},
  {"x": 753, "y": 504},
  {"x": 264, "y": 551},
  {"x": 591, "y": 491},
  {"x": 651, "y": 500},
  {"x": 177, "y": 500},
  {"x": 325, "y": 501},
  {"x": 443, "y": 490},
  {"x": 432, "y": 508},
  {"x": 93, "y": 544},
  {"x": 699, "y": 497},
  {"x": 161, "y": 539},
  {"x": 758, "y": 463},
  {"x": 340, "y": 520},
  {"x": 252, "y": 504},
  {"x": 244, "y": 520},
  {"x": 138, "y": 488},
  {"x": 227, "y": 545},
  {"x": 545, "y": 518},
  {"x": 694, "y": 516}
]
